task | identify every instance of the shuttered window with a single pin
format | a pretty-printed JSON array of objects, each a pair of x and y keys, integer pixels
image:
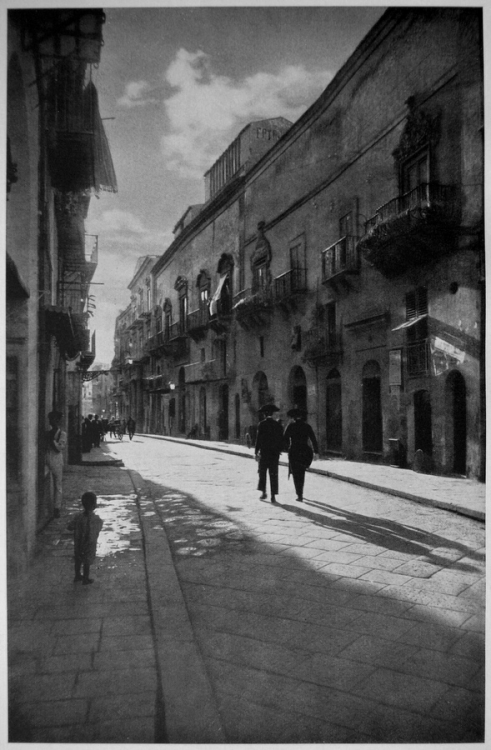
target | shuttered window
[{"x": 416, "y": 306}]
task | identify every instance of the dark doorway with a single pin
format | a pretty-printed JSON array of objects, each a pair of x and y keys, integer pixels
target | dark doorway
[
  {"x": 202, "y": 412},
  {"x": 422, "y": 422},
  {"x": 334, "y": 419},
  {"x": 237, "y": 416},
  {"x": 458, "y": 421},
  {"x": 298, "y": 388},
  {"x": 182, "y": 400},
  {"x": 223, "y": 413},
  {"x": 371, "y": 408}
]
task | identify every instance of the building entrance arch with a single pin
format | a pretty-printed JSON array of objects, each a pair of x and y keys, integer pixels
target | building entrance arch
[{"x": 297, "y": 388}]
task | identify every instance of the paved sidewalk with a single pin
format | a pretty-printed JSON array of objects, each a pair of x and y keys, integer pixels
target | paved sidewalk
[
  {"x": 82, "y": 664},
  {"x": 456, "y": 494}
]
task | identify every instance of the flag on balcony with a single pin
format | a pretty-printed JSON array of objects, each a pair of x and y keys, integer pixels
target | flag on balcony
[{"x": 216, "y": 297}]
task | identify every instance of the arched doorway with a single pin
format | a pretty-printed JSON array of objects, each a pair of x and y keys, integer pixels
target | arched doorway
[
  {"x": 422, "y": 422},
  {"x": 203, "y": 427},
  {"x": 456, "y": 418},
  {"x": 237, "y": 416},
  {"x": 334, "y": 419},
  {"x": 223, "y": 412},
  {"x": 371, "y": 408},
  {"x": 297, "y": 388},
  {"x": 182, "y": 400}
]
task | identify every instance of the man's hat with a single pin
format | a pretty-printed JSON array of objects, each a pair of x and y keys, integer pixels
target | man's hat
[
  {"x": 268, "y": 409},
  {"x": 296, "y": 412}
]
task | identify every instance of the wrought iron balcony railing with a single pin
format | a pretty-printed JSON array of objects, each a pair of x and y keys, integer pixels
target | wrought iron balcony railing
[
  {"x": 177, "y": 330},
  {"x": 198, "y": 319},
  {"x": 426, "y": 195},
  {"x": 291, "y": 282},
  {"x": 341, "y": 257}
]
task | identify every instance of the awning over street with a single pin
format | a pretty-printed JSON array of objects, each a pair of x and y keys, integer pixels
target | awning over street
[{"x": 411, "y": 322}]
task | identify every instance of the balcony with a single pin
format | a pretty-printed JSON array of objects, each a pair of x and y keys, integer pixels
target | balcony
[
  {"x": 288, "y": 287},
  {"x": 253, "y": 308},
  {"x": 157, "y": 384},
  {"x": 203, "y": 372},
  {"x": 197, "y": 323},
  {"x": 418, "y": 358},
  {"x": 340, "y": 262},
  {"x": 160, "y": 344},
  {"x": 412, "y": 229},
  {"x": 322, "y": 347},
  {"x": 177, "y": 331}
]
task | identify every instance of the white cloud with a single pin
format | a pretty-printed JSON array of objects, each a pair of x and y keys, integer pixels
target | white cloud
[
  {"x": 207, "y": 110},
  {"x": 136, "y": 95},
  {"x": 114, "y": 221}
]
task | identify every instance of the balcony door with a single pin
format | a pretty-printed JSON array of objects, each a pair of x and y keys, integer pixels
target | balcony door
[
  {"x": 415, "y": 171},
  {"x": 298, "y": 265}
]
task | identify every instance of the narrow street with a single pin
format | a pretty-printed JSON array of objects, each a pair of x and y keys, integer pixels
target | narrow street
[
  {"x": 216, "y": 617},
  {"x": 355, "y": 617}
]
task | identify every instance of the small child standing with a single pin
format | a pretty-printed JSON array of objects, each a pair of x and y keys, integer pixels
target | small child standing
[{"x": 86, "y": 527}]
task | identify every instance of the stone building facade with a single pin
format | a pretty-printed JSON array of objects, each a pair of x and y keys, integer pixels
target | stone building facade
[
  {"x": 53, "y": 125},
  {"x": 343, "y": 269}
]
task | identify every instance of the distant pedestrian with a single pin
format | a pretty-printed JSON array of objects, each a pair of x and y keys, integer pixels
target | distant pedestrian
[
  {"x": 269, "y": 445},
  {"x": 131, "y": 425},
  {"x": 86, "y": 527},
  {"x": 302, "y": 446},
  {"x": 97, "y": 431},
  {"x": 55, "y": 445}
]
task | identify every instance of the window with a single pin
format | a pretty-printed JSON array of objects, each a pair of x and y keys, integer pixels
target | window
[
  {"x": 260, "y": 276},
  {"x": 331, "y": 323},
  {"x": 298, "y": 264},
  {"x": 261, "y": 345},
  {"x": 417, "y": 310},
  {"x": 346, "y": 225},
  {"x": 415, "y": 171}
]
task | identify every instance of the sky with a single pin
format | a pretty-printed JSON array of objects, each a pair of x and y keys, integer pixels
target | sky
[{"x": 176, "y": 85}]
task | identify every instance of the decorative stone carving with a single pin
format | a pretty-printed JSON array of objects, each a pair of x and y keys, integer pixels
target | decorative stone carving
[{"x": 421, "y": 129}]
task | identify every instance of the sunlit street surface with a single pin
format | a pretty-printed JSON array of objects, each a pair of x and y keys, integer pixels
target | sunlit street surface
[{"x": 355, "y": 616}]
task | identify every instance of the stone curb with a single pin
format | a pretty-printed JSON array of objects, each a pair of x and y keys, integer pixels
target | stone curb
[
  {"x": 459, "y": 509},
  {"x": 191, "y": 713}
]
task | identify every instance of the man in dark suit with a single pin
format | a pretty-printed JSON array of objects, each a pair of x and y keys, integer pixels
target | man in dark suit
[
  {"x": 269, "y": 445},
  {"x": 302, "y": 447}
]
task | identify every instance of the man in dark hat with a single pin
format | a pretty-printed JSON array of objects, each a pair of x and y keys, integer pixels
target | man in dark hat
[
  {"x": 269, "y": 445},
  {"x": 302, "y": 445}
]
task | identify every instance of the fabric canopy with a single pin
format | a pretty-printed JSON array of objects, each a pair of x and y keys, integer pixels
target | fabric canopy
[{"x": 411, "y": 322}]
